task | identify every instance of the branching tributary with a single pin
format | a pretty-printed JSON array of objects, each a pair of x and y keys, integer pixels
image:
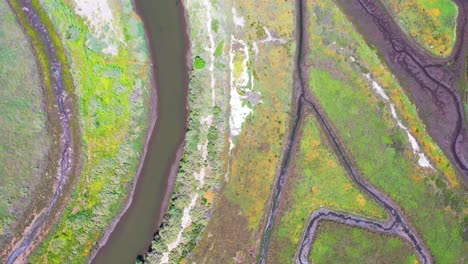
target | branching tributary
[
  {"x": 396, "y": 225},
  {"x": 417, "y": 65},
  {"x": 65, "y": 150}
]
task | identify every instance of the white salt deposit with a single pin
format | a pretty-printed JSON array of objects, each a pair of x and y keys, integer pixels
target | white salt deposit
[
  {"x": 238, "y": 20},
  {"x": 255, "y": 49},
  {"x": 270, "y": 37},
  {"x": 423, "y": 160},
  {"x": 239, "y": 111}
]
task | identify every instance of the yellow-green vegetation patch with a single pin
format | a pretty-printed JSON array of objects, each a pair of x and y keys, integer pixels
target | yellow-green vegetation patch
[
  {"x": 113, "y": 91},
  {"x": 24, "y": 143},
  {"x": 318, "y": 180},
  {"x": 431, "y": 23},
  {"x": 375, "y": 137},
  {"x": 336, "y": 243}
]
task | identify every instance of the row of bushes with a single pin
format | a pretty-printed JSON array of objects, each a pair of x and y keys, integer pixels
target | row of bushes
[{"x": 198, "y": 134}]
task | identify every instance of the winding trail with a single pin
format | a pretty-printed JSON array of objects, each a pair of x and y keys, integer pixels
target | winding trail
[
  {"x": 66, "y": 149},
  {"x": 396, "y": 225}
]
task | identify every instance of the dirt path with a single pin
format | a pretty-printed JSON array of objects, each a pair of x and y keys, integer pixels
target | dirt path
[
  {"x": 396, "y": 225},
  {"x": 66, "y": 151}
]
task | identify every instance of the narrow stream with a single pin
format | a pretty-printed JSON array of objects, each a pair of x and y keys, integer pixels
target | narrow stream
[
  {"x": 397, "y": 224},
  {"x": 66, "y": 157},
  {"x": 166, "y": 32}
]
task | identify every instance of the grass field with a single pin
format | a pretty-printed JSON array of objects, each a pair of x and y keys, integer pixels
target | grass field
[
  {"x": 113, "y": 100},
  {"x": 255, "y": 158},
  {"x": 24, "y": 143},
  {"x": 336, "y": 243},
  {"x": 318, "y": 180},
  {"x": 431, "y": 23},
  {"x": 432, "y": 199}
]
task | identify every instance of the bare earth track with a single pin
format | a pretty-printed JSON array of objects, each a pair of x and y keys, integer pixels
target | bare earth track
[
  {"x": 438, "y": 77},
  {"x": 63, "y": 109}
]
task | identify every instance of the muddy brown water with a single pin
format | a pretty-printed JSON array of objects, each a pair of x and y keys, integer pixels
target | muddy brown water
[{"x": 166, "y": 32}]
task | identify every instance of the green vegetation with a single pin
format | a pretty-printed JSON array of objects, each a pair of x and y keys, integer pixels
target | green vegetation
[
  {"x": 431, "y": 23},
  {"x": 318, "y": 180},
  {"x": 199, "y": 63},
  {"x": 336, "y": 243},
  {"x": 219, "y": 49},
  {"x": 113, "y": 115},
  {"x": 24, "y": 143},
  {"x": 340, "y": 58}
]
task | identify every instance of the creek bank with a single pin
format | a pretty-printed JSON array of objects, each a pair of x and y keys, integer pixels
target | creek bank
[{"x": 63, "y": 109}]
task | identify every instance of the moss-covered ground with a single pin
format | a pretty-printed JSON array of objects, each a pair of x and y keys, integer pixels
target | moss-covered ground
[
  {"x": 336, "y": 243},
  {"x": 24, "y": 143},
  {"x": 431, "y": 23},
  {"x": 317, "y": 180},
  {"x": 431, "y": 199},
  {"x": 114, "y": 105}
]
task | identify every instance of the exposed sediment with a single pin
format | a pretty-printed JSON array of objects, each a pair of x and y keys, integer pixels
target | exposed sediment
[
  {"x": 66, "y": 149},
  {"x": 432, "y": 82},
  {"x": 396, "y": 225}
]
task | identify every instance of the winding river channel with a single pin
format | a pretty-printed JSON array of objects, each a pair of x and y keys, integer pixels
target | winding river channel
[{"x": 131, "y": 233}]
